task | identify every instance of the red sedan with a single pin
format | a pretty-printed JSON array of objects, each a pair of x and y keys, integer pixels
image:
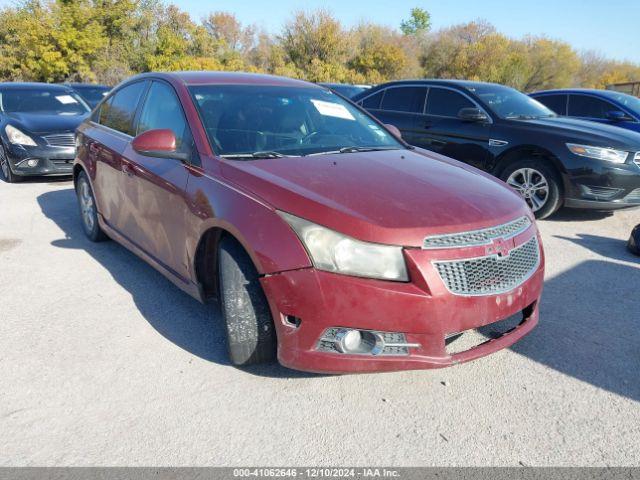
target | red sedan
[{"x": 328, "y": 241}]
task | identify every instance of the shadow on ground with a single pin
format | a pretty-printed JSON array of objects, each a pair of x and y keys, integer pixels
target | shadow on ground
[
  {"x": 590, "y": 320},
  {"x": 184, "y": 321},
  {"x": 589, "y": 327}
]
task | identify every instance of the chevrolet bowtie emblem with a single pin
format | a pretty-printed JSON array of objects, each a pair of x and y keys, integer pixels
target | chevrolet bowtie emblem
[{"x": 500, "y": 247}]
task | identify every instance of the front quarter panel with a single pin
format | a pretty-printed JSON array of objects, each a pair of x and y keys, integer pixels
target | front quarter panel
[{"x": 268, "y": 239}]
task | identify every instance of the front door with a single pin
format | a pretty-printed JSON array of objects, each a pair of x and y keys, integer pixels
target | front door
[
  {"x": 440, "y": 129},
  {"x": 159, "y": 184}
]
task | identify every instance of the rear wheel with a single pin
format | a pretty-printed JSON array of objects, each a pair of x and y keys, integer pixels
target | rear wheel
[
  {"x": 538, "y": 184},
  {"x": 251, "y": 335},
  {"x": 88, "y": 210},
  {"x": 8, "y": 175}
]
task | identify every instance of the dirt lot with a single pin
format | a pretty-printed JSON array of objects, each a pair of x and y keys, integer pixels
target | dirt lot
[{"x": 104, "y": 362}]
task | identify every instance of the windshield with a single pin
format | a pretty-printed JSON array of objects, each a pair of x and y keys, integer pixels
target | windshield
[
  {"x": 59, "y": 102},
  {"x": 348, "y": 91},
  {"x": 629, "y": 101},
  {"x": 509, "y": 103},
  {"x": 268, "y": 121}
]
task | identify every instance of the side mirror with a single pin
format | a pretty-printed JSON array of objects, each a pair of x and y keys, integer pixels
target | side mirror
[
  {"x": 616, "y": 116},
  {"x": 472, "y": 115},
  {"x": 159, "y": 143},
  {"x": 394, "y": 130}
]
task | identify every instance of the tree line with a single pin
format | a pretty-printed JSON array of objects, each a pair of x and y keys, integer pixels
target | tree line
[{"x": 106, "y": 41}]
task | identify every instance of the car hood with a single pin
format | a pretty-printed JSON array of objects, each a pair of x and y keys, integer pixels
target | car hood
[
  {"x": 42, "y": 123},
  {"x": 393, "y": 197},
  {"x": 591, "y": 133}
]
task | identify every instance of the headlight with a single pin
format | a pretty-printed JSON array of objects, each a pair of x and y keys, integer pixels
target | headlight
[
  {"x": 334, "y": 252},
  {"x": 16, "y": 137},
  {"x": 599, "y": 153}
]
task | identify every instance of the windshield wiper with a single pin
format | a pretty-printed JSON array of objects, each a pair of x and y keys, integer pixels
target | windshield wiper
[
  {"x": 352, "y": 149},
  {"x": 265, "y": 154}
]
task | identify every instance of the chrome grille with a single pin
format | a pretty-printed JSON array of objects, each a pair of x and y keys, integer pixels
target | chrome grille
[
  {"x": 61, "y": 140},
  {"x": 492, "y": 274},
  {"x": 477, "y": 237}
]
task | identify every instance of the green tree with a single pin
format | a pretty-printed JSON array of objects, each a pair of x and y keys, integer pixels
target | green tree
[{"x": 418, "y": 23}]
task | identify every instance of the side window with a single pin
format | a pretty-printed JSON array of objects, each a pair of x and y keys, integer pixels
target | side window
[
  {"x": 404, "y": 99},
  {"x": 446, "y": 103},
  {"x": 590, "y": 107},
  {"x": 100, "y": 113},
  {"x": 557, "y": 103},
  {"x": 162, "y": 109},
  {"x": 118, "y": 112},
  {"x": 373, "y": 101}
]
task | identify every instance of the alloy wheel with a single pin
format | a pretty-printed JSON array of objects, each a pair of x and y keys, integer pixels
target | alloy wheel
[
  {"x": 532, "y": 185},
  {"x": 87, "y": 206}
]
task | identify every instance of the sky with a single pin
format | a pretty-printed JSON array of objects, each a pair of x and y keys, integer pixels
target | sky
[{"x": 607, "y": 26}]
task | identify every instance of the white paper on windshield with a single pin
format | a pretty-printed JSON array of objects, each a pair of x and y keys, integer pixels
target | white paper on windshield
[
  {"x": 330, "y": 109},
  {"x": 66, "y": 99}
]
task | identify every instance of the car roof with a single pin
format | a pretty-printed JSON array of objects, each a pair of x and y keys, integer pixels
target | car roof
[
  {"x": 446, "y": 82},
  {"x": 32, "y": 86},
  {"x": 227, "y": 78},
  {"x": 594, "y": 91},
  {"x": 88, "y": 85}
]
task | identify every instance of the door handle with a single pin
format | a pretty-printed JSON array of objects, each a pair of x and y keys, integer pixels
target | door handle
[{"x": 128, "y": 169}]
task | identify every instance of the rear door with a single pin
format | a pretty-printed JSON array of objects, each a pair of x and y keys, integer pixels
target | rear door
[
  {"x": 399, "y": 105},
  {"x": 440, "y": 129},
  {"x": 107, "y": 139},
  {"x": 158, "y": 185}
]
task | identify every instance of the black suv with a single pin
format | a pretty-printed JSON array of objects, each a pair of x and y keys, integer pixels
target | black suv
[{"x": 552, "y": 161}]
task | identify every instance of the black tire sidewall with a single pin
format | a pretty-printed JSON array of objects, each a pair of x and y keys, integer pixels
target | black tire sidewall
[
  {"x": 10, "y": 177},
  {"x": 95, "y": 234},
  {"x": 251, "y": 335},
  {"x": 555, "y": 199}
]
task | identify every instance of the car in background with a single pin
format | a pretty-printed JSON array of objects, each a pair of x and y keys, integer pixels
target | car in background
[
  {"x": 37, "y": 125},
  {"x": 90, "y": 93},
  {"x": 328, "y": 241},
  {"x": 604, "y": 106},
  {"x": 550, "y": 160},
  {"x": 345, "y": 89}
]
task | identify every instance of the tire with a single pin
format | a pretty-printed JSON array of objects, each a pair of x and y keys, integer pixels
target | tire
[
  {"x": 634, "y": 241},
  {"x": 88, "y": 210},
  {"x": 524, "y": 175},
  {"x": 251, "y": 336},
  {"x": 5, "y": 168}
]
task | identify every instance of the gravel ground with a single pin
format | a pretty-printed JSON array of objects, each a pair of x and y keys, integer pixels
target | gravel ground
[{"x": 104, "y": 362}]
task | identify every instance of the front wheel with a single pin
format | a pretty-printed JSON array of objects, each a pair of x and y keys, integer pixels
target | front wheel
[
  {"x": 538, "y": 184},
  {"x": 251, "y": 335},
  {"x": 8, "y": 175}
]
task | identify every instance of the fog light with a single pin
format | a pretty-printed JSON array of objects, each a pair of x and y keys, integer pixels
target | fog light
[
  {"x": 353, "y": 341},
  {"x": 32, "y": 162}
]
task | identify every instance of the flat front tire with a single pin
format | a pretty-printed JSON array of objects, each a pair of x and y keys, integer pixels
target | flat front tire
[
  {"x": 88, "y": 210},
  {"x": 251, "y": 336},
  {"x": 537, "y": 183}
]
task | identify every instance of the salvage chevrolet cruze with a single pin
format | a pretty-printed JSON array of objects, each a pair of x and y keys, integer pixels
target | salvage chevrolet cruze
[{"x": 328, "y": 241}]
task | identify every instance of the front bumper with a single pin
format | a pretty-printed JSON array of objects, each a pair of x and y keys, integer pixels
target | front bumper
[
  {"x": 423, "y": 309},
  {"x": 595, "y": 184},
  {"x": 50, "y": 160}
]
